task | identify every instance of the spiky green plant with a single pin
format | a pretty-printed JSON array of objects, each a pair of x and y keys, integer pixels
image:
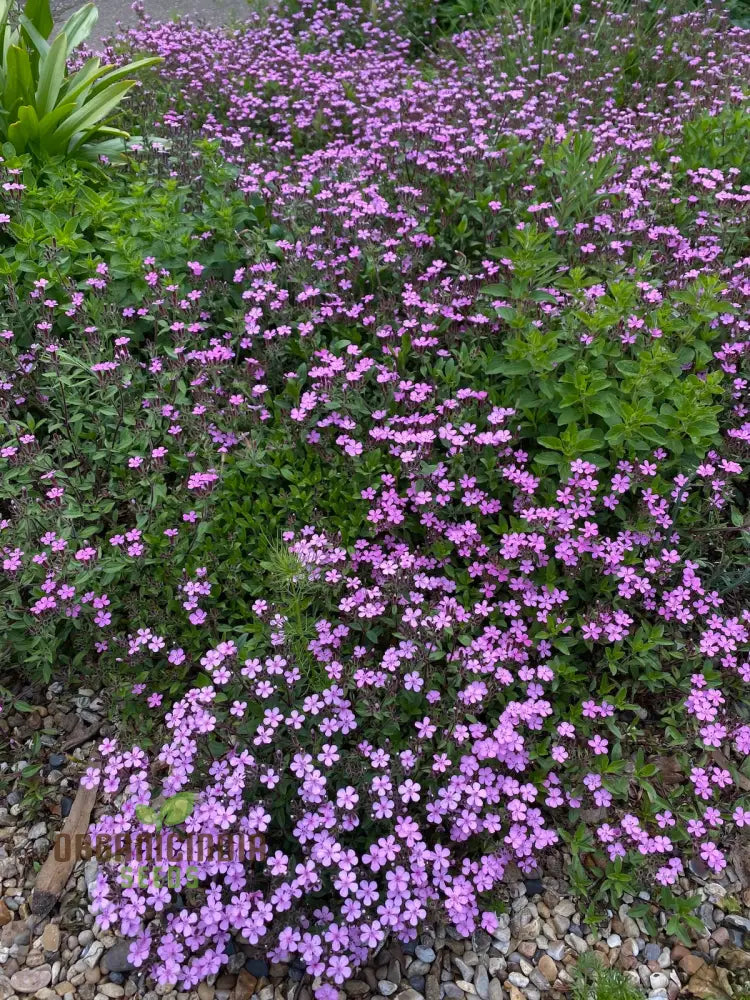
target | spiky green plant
[
  {"x": 46, "y": 111},
  {"x": 593, "y": 981}
]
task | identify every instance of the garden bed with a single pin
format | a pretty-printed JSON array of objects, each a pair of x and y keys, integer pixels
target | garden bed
[{"x": 373, "y": 443}]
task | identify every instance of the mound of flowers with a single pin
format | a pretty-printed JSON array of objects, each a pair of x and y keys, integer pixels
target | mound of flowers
[{"x": 433, "y": 736}]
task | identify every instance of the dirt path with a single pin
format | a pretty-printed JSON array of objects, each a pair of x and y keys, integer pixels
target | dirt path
[{"x": 112, "y": 11}]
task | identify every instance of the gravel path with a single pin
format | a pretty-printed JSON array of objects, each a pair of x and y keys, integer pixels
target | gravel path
[{"x": 113, "y": 11}]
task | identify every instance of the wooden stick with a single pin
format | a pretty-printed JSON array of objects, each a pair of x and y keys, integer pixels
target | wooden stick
[{"x": 53, "y": 875}]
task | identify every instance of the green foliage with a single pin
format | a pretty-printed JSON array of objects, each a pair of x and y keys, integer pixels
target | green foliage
[
  {"x": 172, "y": 811},
  {"x": 46, "y": 111},
  {"x": 717, "y": 142},
  {"x": 158, "y": 205},
  {"x": 601, "y": 402},
  {"x": 592, "y": 981}
]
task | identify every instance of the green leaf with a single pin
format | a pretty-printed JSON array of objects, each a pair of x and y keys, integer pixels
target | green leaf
[
  {"x": 5, "y": 6},
  {"x": 122, "y": 71},
  {"x": 19, "y": 84},
  {"x": 177, "y": 809},
  {"x": 547, "y": 458},
  {"x": 51, "y": 120},
  {"x": 552, "y": 443},
  {"x": 79, "y": 26},
  {"x": 39, "y": 14},
  {"x": 147, "y": 815},
  {"x": 31, "y": 34},
  {"x": 51, "y": 75},
  {"x": 502, "y": 367},
  {"x": 76, "y": 85},
  {"x": 74, "y": 129},
  {"x": 28, "y": 121}
]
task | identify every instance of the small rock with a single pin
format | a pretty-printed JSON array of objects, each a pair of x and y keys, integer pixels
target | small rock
[
  {"x": 425, "y": 954},
  {"x": 355, "y": 988},
  {"x": 561, "y": 924},
  {"x": 112, "y": 990},
  {"x": 5, "y": 915},
  {"x": 466, "y": 971},
  {"x": 387, "y": 988},
  {"x": 518, "y": 979},
  {"x": 658, "y": 981},
  {"x": 482, "y": 982},
  {"x": 51, "y": 938},
  {"x": 738, "y": 922},
  {"x": 93, "y": 953},
  {"x": 538, "y": 980},
  {"x": 116, "y": 958},
  {"x": 691, "y": 963},
  {"x": 205, "y": 992},
  {"x": 548, "y": 969},
  {"x": 452, "y": 992},
  {"x": 531, "y": 931},
  {"x": 578, "y": 943},
  {"x": 419, "y": 968},
  {"x": 466, "y": 987},
  {"x": 31, "y": 980},
  {"x": 556, "y": 950},
  {"x": 245, "y": 986}
]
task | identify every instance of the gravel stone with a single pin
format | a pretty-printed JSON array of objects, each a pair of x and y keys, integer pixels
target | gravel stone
[
  {"x": 556, "y": 950},
  {"x": 112, "y": 990},
  {"x": 548, "y": 969},
  {"x": 425, "y": 954},
  {"x": 466, "y": 971},
  {"x": 51, "y": 938},
  {"x": 737, "y": 922},
  {"x": 31, "y": 980},
  {"x": 482, "y": 983}
]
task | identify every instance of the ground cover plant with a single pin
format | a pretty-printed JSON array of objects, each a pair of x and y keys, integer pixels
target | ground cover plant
[{"x": 380, "y": 435}]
